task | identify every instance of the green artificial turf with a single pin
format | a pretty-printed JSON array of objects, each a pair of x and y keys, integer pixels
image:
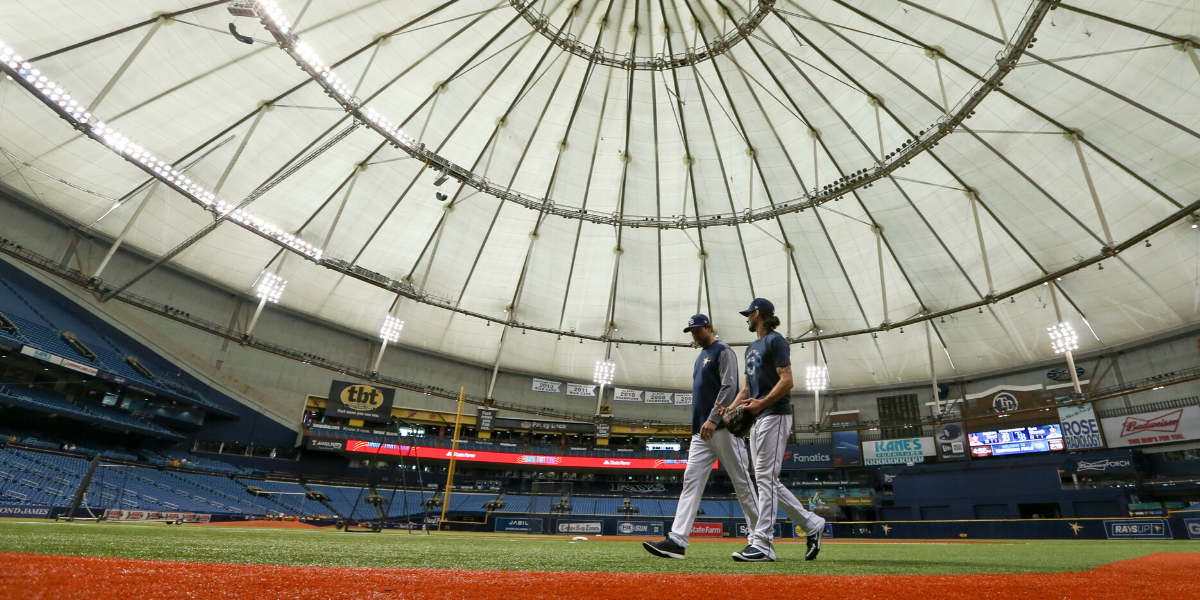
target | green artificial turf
[{"x": 447, "y": 550}]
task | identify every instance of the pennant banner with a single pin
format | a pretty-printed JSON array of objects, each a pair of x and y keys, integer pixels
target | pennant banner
[
  {"x": 683, "y": 399},
  {"x": 624, "y": 395},
  {"x": 545, "y": 385},
  {"x": 659, "y": 398},
  {"x": 580, "y": 389}
]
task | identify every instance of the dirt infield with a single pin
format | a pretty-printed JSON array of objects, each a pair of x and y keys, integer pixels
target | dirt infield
[{"x": 38, "y": 576}]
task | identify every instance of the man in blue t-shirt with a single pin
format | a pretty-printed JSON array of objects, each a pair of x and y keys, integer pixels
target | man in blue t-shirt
[
  {"x": 714, "y": 384},
  {"x": 768, "y": 383}
]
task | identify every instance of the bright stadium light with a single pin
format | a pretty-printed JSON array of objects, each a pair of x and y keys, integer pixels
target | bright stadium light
[
  {"x": 605, "y": 370},
  {"x": 269, "y": 288},
  {"x": 1063, "y": 339},
  {"x": 817, "y": 378},
  {"x": 390, "y": 332}
]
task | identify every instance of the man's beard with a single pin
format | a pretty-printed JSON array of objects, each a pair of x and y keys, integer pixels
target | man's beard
[{"x": 751, "y": 327}]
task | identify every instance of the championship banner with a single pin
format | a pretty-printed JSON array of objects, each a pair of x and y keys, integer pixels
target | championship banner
[
  {"x": 683, "y": 399},
  {"x": 898, "y": 452},
  {"x": 1079, "y": 428},
  {"x": 659, "y": 398},
  {"x": 545, "y": 385},
  {"x": 581, "y": 389},
  {"x": 624, "y": 395},
  {"x": 359, "y": 401},
  {"x": 1157, "y": 427}
]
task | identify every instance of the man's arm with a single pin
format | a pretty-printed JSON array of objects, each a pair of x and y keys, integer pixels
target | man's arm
[
  {"x": 729, "y": 381},
  {"x": 781, "y": 389},
  {"x": 742, "y": 397}
]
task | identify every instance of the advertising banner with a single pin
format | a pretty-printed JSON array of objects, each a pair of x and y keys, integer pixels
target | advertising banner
[
  {"x": 1139, "y": 529},
  {"x": 485, "y": 419},
  {"x": 1152, "y": 427},
  {"x": 547, "y": 386},
  {"x": 846, "y": 451},
  {"x": 503, "y": 423},
  {"x": 808, "y": 456},
  {"x": 82, "y": 368},
  {"x": 897, "y": 452},
  {"x": 659, "y": 398},
  {"x": 742, "y": 532},
  {"x": 1079, "y": 427},
  {"x": 1102, "y": 465},
  {"x": 951, "y": 441},
  {"x": 683, "y": 399},
  {"x": 1193, "y": 528},
  {"x": 24, "y": 510},
  {"x": 603, "y": 430},
  {"x": 324, "y": 444},
  {"x": 512, "y": 458},
  {"x": 518, "y": 525},
  {"x": 707, "y": 530},
  {"x": 640, "y": 528},
  {"x": 797, "y": 532},
  {"x": 588, "y": 527},
  {"x": 359, "y": 401},
  {"x": 581, "y": 389},
  {"x": 624, "y": 395}
]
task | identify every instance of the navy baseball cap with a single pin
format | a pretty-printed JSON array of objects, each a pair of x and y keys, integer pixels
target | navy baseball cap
[
  {"x": 697, "y": 321},
  {"x": 760, "y": 304}
]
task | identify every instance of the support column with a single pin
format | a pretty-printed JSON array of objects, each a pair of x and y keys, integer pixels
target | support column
[
  {"x": 381, "y": 40},
  {"x": 1190, "y": 48},
  {"x": 700, "y": 285},
  {"x": 362, "y": 166},
  {"x": 937, "y": 403},
  {"x": 254, "y": 320},
  {"x": 996, "y": 7},
  {"x": 815, "y": 134},
  {"x": 935, "y": 53},
  {"x": 788, "y": 249},
  {"x": 263, "y": 108},
  {"x": 973, "y": 196},
  {"x": 125, "y": 232},
  {"x": 877, "y": 101},
  {"x": 112, "y": 81},
  {"x": 1087, "y": 175},
  {"x": 383, "y": 340},
  {"x": 878, "y": 229}
]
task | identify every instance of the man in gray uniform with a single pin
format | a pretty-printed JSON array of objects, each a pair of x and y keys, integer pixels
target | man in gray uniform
[
  {"x": 766, "y": 394},
  {"x": 714, "y": 384}
]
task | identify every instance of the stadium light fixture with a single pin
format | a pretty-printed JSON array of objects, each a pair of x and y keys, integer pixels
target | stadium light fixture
[
  {"x": 81, "y": 118},
  {"x": 605, "y": 370},
  {"x": 389, "y": 333},
  {"x": 817, "y": 379},
  {"x": 269, "y": 288},
  {"x": 1064, "y": 339}
]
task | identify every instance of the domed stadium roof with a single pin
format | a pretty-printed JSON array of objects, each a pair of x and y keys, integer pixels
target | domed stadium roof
[{"x": 611, "y": 167}]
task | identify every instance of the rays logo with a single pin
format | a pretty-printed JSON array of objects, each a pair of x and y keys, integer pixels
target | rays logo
[
  {"x": 753, "y": 362},
  {"x": 1004, "y": 402},
  {"x": 1062, "y": 373},
  {"x": 362, "y": 397}
]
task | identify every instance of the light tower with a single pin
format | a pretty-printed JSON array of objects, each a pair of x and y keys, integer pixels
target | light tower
[{"x": 1063, "y": 339}]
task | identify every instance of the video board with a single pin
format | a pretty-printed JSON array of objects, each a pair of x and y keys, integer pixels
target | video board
[{"x": 1018, "y": 440}]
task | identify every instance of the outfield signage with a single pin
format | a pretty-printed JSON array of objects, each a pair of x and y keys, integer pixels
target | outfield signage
[
  {"x": 798, "y": 532},
  {"x": 558, "y": 426},
  {"x": 518, "y": 525},
  {"x": 808, "y": 456},
  {"x": 359, "y": 401},
  {"x": 1193, "y": 528},
  {"x": 1140, "y": 529},
  {"x": 26, "y": 510},
  {"x": 898, "y": 452},
  {"x": 485, "y": 419},
  {"x": 324, "y": 444},
  {"x": 41, "y": 355},
  {"x": 511, "y": 458},
  {"x": 592, "y": 527},
  {"x": 707, "y": 530},
  {"x": 743, "y": 531},
  {"x": 1080, "y": 429},
  {"x": 642, "y": 528},
  {"x": 1172, "y": 425}
]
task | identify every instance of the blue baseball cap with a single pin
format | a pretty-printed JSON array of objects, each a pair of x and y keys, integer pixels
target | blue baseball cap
[
  {"x": 697, "y": 321},
  {"x": 760, "y": 304}
]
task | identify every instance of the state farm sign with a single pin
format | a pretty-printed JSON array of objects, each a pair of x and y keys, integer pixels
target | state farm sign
[
  {"x": 708, "y": 529},
  {"x": 1175, "y": 425}
]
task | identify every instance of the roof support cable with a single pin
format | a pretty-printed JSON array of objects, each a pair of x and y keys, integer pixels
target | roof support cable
[
  {"x": 973, "y": 198},
  {"x": 1000, "y": 21},
  {"x": 116, "y": 76},
  {"x": 878, "y": 229},
  {"x": 937, "y": 65},
  {"x": 1087, "y": 176}
]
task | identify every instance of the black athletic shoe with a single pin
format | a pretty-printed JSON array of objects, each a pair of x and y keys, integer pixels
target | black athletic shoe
[
  {"x": 752, "y": 554},
  {"x": 814, "y": 545},
  {"x": 664, "y": 549}
]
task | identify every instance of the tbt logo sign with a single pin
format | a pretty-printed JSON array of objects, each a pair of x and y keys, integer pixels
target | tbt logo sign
[
  {"x": 359, "y": 401},
  {"x": 362, "y": 397}
]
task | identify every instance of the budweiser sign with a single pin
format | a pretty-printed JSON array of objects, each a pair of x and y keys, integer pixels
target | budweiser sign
[{"x": 1168, "y": 423}]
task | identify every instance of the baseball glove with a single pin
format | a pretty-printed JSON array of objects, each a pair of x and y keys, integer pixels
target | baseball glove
[{"x": 739, "y": 421}]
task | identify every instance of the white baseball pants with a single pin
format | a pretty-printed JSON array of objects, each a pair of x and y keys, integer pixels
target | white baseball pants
[
  {"x": 768, "y": 439},
  {"x": 732, "y": 454}
]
